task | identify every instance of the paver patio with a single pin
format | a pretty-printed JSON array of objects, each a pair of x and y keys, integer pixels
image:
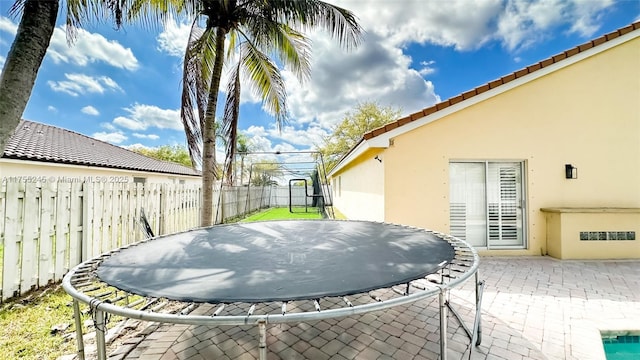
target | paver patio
[{"x": 533, "y": 308}]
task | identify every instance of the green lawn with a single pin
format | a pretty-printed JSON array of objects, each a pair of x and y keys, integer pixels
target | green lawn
[
  {"x": 25, "y": 326},
  {"x": 283, "y": 213}
]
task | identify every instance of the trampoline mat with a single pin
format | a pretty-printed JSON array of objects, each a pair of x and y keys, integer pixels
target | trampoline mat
[{"x": 276, "y": 261}]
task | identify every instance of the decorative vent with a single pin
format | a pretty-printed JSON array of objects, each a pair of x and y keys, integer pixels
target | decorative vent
[{"x": 607, "y": 235}]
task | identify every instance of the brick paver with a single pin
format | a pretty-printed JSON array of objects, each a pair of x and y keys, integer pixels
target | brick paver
[{"x": 533, "y": 308}]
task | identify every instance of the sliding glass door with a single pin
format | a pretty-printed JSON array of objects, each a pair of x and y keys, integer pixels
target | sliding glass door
[{"x": 486, "y": 203}]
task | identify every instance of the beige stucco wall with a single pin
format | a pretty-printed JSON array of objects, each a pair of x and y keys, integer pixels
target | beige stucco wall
[
  {"x": 19, "y": 169},
  {"x": 564, "y": 226},
  {"x": 358, "y": 193},
  {"x": 586, "y": 114}
]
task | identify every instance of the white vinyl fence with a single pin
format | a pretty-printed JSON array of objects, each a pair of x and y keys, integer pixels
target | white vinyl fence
[{"x": 47, "y": 228}]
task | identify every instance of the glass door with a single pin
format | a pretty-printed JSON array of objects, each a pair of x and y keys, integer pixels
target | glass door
[{"x": 486, "y": 203}]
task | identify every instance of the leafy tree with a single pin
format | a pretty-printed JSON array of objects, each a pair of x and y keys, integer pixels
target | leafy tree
[
  {"x": 254, "y": 29},
  {"x": 346, "y": 134},
  {"x": 176, "y": 154}
]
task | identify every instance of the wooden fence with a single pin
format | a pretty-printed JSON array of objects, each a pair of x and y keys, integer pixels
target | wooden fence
[{"x": 48, "y": 228}]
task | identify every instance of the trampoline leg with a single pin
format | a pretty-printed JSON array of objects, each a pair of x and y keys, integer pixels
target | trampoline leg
[
  {"x": 262, "y": 344},
  {"x": 79, "y": 335},
  {"x": 443, "y": 325},
  {"x": 479, "y": 290},
  {"x": 101, "y": 326}
]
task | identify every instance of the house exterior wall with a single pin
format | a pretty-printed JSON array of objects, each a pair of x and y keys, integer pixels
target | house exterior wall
[
  {"x": 20, "y": 170},
  {"x": 358, "y": 192},
  {"x": 586, "y": 114}
]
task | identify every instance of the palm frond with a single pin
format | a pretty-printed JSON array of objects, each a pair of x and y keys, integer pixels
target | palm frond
[
  {"x": 230, "y": 120},
  {"x": 291, "y": 46},
  {"x": 17, "y": 8},
  {"x": 197, "y": 68},
  {"x": 341, "y": 23},
  {"x": 266, "y": 81}
]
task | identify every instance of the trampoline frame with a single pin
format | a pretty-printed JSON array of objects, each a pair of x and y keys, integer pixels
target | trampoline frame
[{"x": 81, "y": 280}]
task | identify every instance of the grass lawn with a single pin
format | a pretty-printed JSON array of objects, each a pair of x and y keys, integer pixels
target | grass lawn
[
  {"x": 283, "y": 213},
  {"x": 25, "y": 326}
]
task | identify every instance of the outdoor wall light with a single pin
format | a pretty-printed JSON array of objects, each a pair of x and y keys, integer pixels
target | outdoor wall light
[
  {"x": 378, "y": 158},
  {"x": 570, "y": 172}
]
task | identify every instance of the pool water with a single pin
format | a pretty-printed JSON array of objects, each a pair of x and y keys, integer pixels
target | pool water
[{"x": 626, "y": 347}]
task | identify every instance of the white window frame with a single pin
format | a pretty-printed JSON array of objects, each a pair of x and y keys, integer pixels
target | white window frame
[{"x": 523, "y": 205}]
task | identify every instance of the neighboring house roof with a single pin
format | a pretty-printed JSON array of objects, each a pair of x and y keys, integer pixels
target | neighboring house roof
[
  {"x": 491, "y": 88},
  {"x": 40, "y": 142}
]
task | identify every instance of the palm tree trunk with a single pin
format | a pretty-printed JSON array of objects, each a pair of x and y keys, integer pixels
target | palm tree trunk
[
  {"x": 23, "y": 62},
  {"x": 209, "y": 134}
]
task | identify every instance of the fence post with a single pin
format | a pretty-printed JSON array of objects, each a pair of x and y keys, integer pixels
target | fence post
[
  {"x": 47, "y": 235},
  {"x": 162, "y": 210},
  {"x": 30, "y": 227},
  {"x": 12, "y": 240},
  {"x": 87, "y": 210},
  {"x": 63, "y": 229}
]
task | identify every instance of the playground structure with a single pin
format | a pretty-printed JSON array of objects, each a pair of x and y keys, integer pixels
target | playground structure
[{"x": 302, "y": 173}]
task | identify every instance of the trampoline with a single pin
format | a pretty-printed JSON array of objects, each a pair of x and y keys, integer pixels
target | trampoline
[{"x": 278, "y": 271}]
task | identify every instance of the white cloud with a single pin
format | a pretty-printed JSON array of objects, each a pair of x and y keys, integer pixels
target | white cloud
[
  {"x": 2, "y": 60},
  {"x": 173, "y": 38},
  {"x": 306, "y": 137},
  {"x": 108, "y": 126},
  {"x": 6, "y": 25},
  {"x": 111, "y": 137},
  {"x": 589, "y": 16},
  {"x": 254, "y": 130},
  {"x": 52, "y": 108},
  {"x": 130, "y": 123},
  {"x": 141, "y": 117},
  {"x": 90, "y": 110},
  {"x": 467, "y": 25},
  {"x": 77, "y": 84},
  {"x": 459, "y": 23},
  {"x": 375, "y": 71},
  {"x": 89, "y": 48},
  {"x": 146, "y": 136},
  {"x": 427, "y": 68},
  {"x": 138, "y": 146},
  {"x": 524, "y": 23}
]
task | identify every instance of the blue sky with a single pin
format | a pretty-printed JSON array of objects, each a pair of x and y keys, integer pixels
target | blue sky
[{"x": 124, "y": 86}]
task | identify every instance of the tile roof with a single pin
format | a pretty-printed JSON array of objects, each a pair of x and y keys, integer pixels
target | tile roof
[
  {"x": 503, "y": 80},
  {"x": 40, "y": 142}
]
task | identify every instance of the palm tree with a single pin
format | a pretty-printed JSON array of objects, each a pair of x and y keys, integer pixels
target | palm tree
[
  {"x": 254, "y": 29},
  {"x": 243, "y": 146},
  {"x": 23, "y": 61},
  {"x": 33, "y": 36}
]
